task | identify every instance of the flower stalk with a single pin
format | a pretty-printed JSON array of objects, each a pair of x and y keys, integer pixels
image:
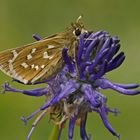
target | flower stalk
[{"x": 54, "y": 133}]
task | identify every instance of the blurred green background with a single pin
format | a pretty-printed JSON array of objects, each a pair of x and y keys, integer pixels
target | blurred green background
[{"x": 20, "y": 19}]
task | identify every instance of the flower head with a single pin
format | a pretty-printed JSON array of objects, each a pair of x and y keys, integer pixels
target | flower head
[{"x": 74, "y": 91}]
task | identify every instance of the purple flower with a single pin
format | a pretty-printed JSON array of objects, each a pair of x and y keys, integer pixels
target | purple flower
[{"x": 74, "y": 92}]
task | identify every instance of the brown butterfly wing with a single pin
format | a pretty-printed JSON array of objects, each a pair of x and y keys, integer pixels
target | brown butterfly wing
[
  {"x": 6, "y": 56},
  {"x": 33, "y": 62}
]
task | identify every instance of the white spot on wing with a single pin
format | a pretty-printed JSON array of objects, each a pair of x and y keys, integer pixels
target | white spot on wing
[
  {"x": 25, "y": 65},
  {"x": 36, "y": 67},
  {"x": 14, "y": 74},
  {"x": 33, "y": 50},
  {"x": 51, "y": 46},
  {"x": 32, "y": 66},
  {"x": 51, "y": 57},
  {"x": 42, "y": 66},
  {"x": 45, "y": 55},
  {"x": 14, "y": 53},
  {"x": 29, "y": 56}
]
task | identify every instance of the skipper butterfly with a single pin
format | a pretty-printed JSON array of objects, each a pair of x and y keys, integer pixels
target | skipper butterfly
[{"x": 42, "y": 59}]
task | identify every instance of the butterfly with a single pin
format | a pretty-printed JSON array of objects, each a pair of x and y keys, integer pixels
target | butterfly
[{"x": 42, "y": 59}]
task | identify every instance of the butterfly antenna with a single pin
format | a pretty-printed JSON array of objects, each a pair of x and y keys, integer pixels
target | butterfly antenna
[{"x": 79, "y": 19}]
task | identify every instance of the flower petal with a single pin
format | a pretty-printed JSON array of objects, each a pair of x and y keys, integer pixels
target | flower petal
[
  {"x": 83, "y": 128},
  {"x": 116, "y": 62},
  {"x": 66, "y": 89},
  {"x": 100, "y": 73},
  {"x": 127, "y": 86},
  {"x": 36, "y": 37},
  {"x": 106, "y": 122},
  {"x": 89, "y": 49},
  {"x": 112, "y": 51},
  {"x": 97, "y": 60},
  {"x": 106, "y": 44},
  {"x": 90, "y": 95},
  {"x": 35, "y": 92},
  {"x": 80, "y": 49},
  {"x": 67, "y": 60},
  {"x": 71, "y": 127},
  {"x": 105, "y": 84}
]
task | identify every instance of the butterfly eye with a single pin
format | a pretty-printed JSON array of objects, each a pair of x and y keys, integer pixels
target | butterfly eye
[{"x": 77, "y": 32}]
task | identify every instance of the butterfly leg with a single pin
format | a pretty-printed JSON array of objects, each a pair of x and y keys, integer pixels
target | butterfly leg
[
  {"x": 36, "y": 123},
  {"x": 35, "y": 92}
]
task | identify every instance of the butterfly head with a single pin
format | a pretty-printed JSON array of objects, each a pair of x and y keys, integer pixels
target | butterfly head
[{"x": 78, "y": 27}]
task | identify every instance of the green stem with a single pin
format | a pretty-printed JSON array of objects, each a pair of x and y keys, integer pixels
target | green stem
[{"x": 54, "y": 134}]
